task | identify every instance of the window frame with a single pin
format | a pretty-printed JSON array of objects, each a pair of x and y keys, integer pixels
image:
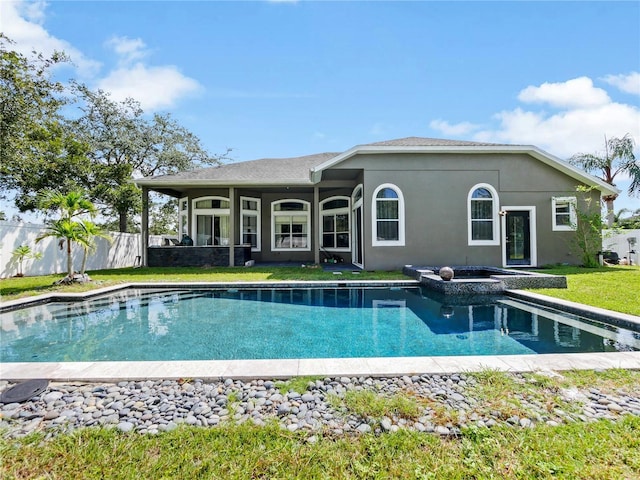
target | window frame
[
  {"x": 275, "y": 213},
  {"x": 495, "y": 211},
  {"x": 573, "y": 218},
  {"x": 400, "y": 242},
  {"x": 213, "y": 212},
  {"x": 183, "y": 217},
  {"x": 333, "y": 212},
  {"x": 252, "y": 213}
]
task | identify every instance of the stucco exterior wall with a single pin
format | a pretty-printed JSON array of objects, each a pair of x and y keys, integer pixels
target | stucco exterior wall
[{"x": 436, "y": 189}]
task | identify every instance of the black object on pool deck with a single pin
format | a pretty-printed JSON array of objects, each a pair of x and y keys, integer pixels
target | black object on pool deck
[{"x": 24, "y": 391}]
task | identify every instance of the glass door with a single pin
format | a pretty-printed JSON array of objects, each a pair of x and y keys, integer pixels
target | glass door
[{"x": 518, "y": 237}]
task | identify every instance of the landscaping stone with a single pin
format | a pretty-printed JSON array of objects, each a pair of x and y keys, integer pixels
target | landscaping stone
[{"x": 153, "y": 407}]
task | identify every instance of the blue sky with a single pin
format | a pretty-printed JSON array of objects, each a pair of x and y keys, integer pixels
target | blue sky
[{"x": 286, "y": 78}]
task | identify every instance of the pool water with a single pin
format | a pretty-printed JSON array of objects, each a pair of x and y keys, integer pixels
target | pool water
[{"x": 217, "y": 324}]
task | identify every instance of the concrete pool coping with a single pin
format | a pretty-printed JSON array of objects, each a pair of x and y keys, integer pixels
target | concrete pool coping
[{"x": 328, "y": 367}]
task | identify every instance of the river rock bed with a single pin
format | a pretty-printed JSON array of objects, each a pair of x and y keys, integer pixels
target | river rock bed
[{"x": 446, "y": 405}]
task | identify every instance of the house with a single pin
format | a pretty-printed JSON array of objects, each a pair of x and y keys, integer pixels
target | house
[{"x": 417, "y": 201}]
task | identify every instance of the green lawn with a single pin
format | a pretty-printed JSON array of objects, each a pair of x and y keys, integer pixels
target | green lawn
[
  {"x": 601, "y": 450},
  {"x": 614, "y": 288},
  {"x": 11, "y": 288}
]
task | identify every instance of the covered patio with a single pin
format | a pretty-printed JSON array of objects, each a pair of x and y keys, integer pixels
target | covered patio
[{"x": 262, "y": 211}]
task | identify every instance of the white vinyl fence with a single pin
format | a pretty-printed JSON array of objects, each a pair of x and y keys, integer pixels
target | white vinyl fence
[
  {"x": 120, "y": 252},
  {"x": 618, "y": 241}
]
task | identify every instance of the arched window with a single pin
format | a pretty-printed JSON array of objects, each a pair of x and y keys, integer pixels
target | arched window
[
  {"x": 211, "y": 221},
  {"x": 334, "y": 225},
  {"x": 483, "y": 215},
  {"x": 387, "y": 216},
  {"x": 290, "y": 220}
]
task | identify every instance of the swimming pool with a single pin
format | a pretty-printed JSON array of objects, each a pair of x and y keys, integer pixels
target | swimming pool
[{"x": 267, "y": 323}]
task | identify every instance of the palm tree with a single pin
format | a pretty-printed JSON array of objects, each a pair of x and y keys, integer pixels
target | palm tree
[
  {"x": 70, "y": 206},
  {"x": 617, "y": 158},
  {"x": 71, "y": 231},
  {"x": 22, "y": 253},
  {"x": 90, "y": 232}
]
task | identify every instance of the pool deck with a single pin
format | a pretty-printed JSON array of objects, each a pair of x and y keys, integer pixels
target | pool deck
[{"x": 328, "y": 367}]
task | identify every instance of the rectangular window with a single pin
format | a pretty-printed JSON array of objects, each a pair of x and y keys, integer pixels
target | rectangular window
[
  {"x": 482, "y": 219},
  {"x": 212, "y": 230},
  {"x": 387, "y": 220},
  {"x": 564, "y": 213},
  {"x": 290, "y": 220},
  {"x": 183, "y": 216},
  {"x": 250, "y": 213},
  {"x": 335, "y": 230}
]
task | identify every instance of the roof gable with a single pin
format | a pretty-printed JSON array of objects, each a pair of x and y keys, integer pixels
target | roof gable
[{"x": 429, "y": 145}]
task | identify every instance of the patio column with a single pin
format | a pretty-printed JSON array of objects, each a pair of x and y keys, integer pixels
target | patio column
[
  {"x": 315, "y": 238},
  {"x": 232, "y": 226},
  {"x": 144, "y": 234}
]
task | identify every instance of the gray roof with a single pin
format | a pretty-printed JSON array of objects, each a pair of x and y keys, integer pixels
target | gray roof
[
  {"x": 428, "y": 142},
  {"x": 274, "y": 171},
  {"x": 284, "y": 171}
]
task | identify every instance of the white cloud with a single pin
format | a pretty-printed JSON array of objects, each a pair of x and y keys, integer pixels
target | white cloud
[
  {"x": 629, "y": 83},
  {"x": 462, "y": 128},
  {"x": 129, "y": 49},
  {"x": 578, "y": 92},
  {"x": 579, "y": 122},
  {"x": 22, "y": 22},
  {"x": 154, "y": 87},
  {"x": 567, "y": 132}
]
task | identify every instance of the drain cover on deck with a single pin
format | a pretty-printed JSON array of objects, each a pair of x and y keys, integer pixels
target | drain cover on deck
[{"x": 24, "y": 391}]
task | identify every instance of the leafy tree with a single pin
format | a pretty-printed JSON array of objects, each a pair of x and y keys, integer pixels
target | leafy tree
[
  {"x": 123, "y": 144},
  {"x": 617, "y": 158},
  {"x": 631, "y": 222},
  {"x": 99, "y": 150},
  {"x": 29, "y": 105},
  {"x": 163, "y": 218},
  {"x": 69, "y": 206},
  {"x": 58, "y": 161},
  {"x": 587, "y": 241}
]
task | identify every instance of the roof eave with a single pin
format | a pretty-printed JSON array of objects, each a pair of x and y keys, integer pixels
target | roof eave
[{"x": 149, "y": 183}]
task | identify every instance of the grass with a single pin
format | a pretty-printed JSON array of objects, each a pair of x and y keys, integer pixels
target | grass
[
  {"x": 369, "y": 404},
  {"x": 12, "y": 288},
  {"x": 614, "y": 288},
  {"x": 599, "y": 450},
  {"x": 296, "y": 384}
]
